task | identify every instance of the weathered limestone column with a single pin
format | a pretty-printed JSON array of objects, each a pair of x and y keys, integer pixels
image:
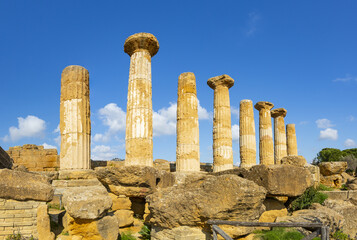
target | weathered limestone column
[
  {"x": 75, "y": 123},
  {"x": 187, "y": 132},
  {"x": 266, "y": 145},
  {"x": 279, "y": 134},
  {"x": 138, "y": 138},
  {"x": 247, "y": 144},
  {"x": 291, "y": 140},
  {"x": 222, "y": 129}
]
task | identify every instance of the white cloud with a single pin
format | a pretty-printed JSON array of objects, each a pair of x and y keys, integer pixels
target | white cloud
[
  {"x": 57, "y": 130},
  {"x": 350, "y": 143},
  {"x": 164, "y": 121},
  {"x": 28, "y": 127},
  {"x": 323, "y": 123},
  {"x": 48, "y": 146},
  {"x": 252, "y": 23},
  {"x": 347, "y": 78},
  {"x": 203, "y": 113},
  {"x": 328, "y": 134},
  {"x": 103, "y": 152},
  {"x": 235, "y": 111},
  {"x": 235, "y": 132},
  {"x": 351, "y": 118},
  {"x": 114, "y": 118}
]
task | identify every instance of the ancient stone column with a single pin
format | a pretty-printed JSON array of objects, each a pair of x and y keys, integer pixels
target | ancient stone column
[
  {"x": 279, "y": 134},
  {"x": 291, "y": 140},
  {"x": 75, "y": 123},
  {"x": 138, "y": 138},
  {"x": 187, "y": 133},
  {"x": 266, "y": 145},
  {"x": 222, "y": 129},
  {"x": 247, "y": 144}
]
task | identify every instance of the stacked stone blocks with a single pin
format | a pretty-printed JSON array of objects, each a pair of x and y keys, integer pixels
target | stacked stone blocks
[
  {"x": 35, "y": 158},
  {"x": 18, "y": 217}
]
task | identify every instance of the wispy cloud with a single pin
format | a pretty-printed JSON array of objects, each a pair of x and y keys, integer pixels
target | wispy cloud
[
  {"x": 350, "y": 143},
  {"x": 104, "y": 152},
  {"x": 351, "y": 118},
  {"x": 304, "y": 122},
  {"x": 253, "y": 19},
  {"x": 347, "y": 78},
  {"x": 328, "y": 134},
  {"x": 235, "y": 132},
  {"x": 48, "y": 146},
  {"x": 323, "y": 123},
  {"x": 235, "y": 111},
  {"x": 28, "y": 127}
]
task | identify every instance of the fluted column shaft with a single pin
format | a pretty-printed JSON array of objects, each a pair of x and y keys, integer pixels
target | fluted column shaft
[
  {"x": 187, "y": 149},
  {"x": 222, "y": 129},
  {"x": 266, "y": 145},
  {"x": 75, "y": 125},
  {"x": 247, "y": 142},
  {"x": 139, "y": 127},
  {"x": 279, "y": 134},
  {"x": 291, "y": 140}
]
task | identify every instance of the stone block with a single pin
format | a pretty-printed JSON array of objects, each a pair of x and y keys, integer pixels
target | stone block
[
  {"x": 332, "y": 168},
  {"x": 120, "y": 202},
  {"x": 125, "y": 217},
  {"x": 298, "y": 161},
  {"x": 5, "y": 159}
]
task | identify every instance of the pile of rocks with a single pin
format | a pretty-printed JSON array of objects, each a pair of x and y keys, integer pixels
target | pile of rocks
[{"x": 333, "y": 174}]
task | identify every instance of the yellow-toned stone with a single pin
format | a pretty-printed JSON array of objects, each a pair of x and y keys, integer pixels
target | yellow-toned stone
[
  {"x": 75, "y": 122},
  {"x": 125, "y": 217},
  {"x": 34, "y": 158},
  {"x": 251, "y": 236},
  {"x": 187, "y": 149},
  {"x": 43, "y": 224},
  {"x": 222, "y": 129},
  {"x": 138, "y": 137},
  {"x": 247, "y": 142},
  {"x": 120, "y": 202},
  {"x": 291, "y": 140},
  {"x": 280, "y": 150},
  {"x": 266, "y": 145},
  {"x": 270, "y": 216}
]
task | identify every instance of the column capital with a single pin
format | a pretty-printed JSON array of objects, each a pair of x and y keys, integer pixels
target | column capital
[
  {"x": 278, "y": 112},
  {"x": 263, "y": 105},
  {"x": 224, "y": 80},
  {"x": 145, "y": 41}
]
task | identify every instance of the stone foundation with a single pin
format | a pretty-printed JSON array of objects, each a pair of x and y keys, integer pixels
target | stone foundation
[
  {"x": 18, "y": 217},
  {"x": 35, "y": 158}
]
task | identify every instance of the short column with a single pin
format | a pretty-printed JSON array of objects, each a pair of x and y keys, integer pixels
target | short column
[
  {"x": 138, "y": 136},
  {"x": 279, "y": 134},
  {"x": 222, "y": 129},
  {"x": 247, "y": 142},
  {"x": 291, "y": 140},
  {"x": 187, "y": 131},
  {"x": 75, "y": 125},
  {"x": 266, "y": 145}
]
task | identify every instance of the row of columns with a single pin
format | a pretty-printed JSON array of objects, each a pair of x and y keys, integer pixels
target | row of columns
[{"x": 75, "y": 124}]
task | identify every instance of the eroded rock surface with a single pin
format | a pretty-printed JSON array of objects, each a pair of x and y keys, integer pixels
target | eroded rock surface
[
  {"x": 279, "y": 180},
  {"x": 192, "y": 203},
  {"x": 332, "y": 168},
  {"x": 19, "y": 185},
  {"x": 86, "y": 202}
]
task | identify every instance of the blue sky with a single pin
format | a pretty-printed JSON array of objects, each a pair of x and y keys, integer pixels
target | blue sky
[{"x": 299, "y": 55}]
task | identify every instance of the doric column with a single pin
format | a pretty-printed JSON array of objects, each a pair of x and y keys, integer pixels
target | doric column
[
  {"x": 222, "y": 129},
  {"x": 266, "y": 145},
  {"x": 247, "y": 144},
  {"x": 279, "y": 134},
  {"x": 188, "y": 148},
  {"x": 291, "y": 140},
  {"x": 75, "y": 123},
  {"x": 138, "y": 137}
]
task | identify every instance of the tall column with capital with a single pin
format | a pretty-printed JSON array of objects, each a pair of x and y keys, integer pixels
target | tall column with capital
[
  {"x": 187, "y": 132},
  {"x": 247, "y": 144},
  {"x": 222, "y": 129},
  {"x": 266, "y": 145},
  {"x": 279, "y": 134},
  {"x": 141, "y": 47},
  {"x": 291, "y": 140},
  {"x": 75, "y": 125}
]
